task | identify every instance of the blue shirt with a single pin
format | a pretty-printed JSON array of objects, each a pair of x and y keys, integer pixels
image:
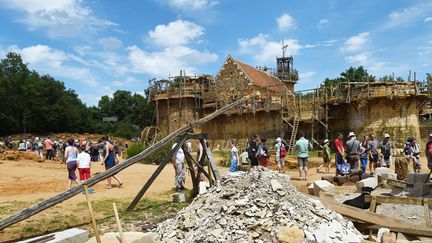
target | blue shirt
[{"x": 302, "y": 146}]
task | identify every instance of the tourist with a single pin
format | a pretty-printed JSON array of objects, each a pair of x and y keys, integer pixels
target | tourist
[
  {"x": 262, "y": 153},
  {"x": 302, "y": 146},
  {"x": 353, "y": 151},
  {"x": 364, "y": 152},
  {"x": 70, "y": 159},
  {"x": 234, "y": 157},
  {"x": 416, "y": 156},
  {"x": 22, "y": 146},
  {"x": 116, "y": 150},
  {"x": 252, "y": 150},
  {"x": 2, "y": 145},
  {"x": 56, "y": 147},
  {"x": 49, "y": 148},
  {"x": 339, "y": 153},
  {"x": 178, "y": 163},
  {"x": 326, "y": 157},
  {"x": 110, "y": 161},
  {"x": 386, "y": 151},
  {"x": 280, "y": 155},
  {"x": 94, "y": 152},
  {"x": 428, "y": 152},
  {"x": 373, "y": 153},
  {"x": 9, "y": 142},
  {"x": 29, "y": 145},
  {"x": 84, "y": 165},
  {"x": 38, "y": 147}
]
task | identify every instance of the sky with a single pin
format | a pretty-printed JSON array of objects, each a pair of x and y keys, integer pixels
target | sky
[{"x": 98, "y": 46}]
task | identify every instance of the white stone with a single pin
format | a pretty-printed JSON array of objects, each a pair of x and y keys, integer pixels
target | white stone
[
  {"x": 382, "y": 170},
  {"x": 368, "y": 182},
  {"x": 133, "y": 237},
  {"x": 73, "y": 235},
  {"x": 276, "y": 186},
  {"x": 381, "y": 232},
  {"x": 322, "y": 185},
  {"x": 178, "y": 197},
  {"x": 202, "y": 187}
]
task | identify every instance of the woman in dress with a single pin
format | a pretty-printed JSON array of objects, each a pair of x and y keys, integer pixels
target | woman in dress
[
  {"x": 234, "y": 157},
  {"x": 70, "y": 158},
  {"x": 110, "y": 161}
]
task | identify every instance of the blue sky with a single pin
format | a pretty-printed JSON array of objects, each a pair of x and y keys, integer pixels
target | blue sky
[{"x": 96, "y": 47}]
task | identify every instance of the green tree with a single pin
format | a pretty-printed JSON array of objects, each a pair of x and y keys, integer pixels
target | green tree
[{"x": 352, "y": 74}]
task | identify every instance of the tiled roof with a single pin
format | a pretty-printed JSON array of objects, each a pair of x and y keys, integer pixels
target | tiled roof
[{"x": 262, "y": 79}]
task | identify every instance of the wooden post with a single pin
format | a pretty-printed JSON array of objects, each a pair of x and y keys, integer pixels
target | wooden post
[
  {"x": 373, "y": 204},
  {"x": 199, "y": 166},
  {"x": 155, "y": 174},
  {"x": 212, "y": 163},
  {"x": 195, "y": 182},
  {"x": 95, "y": 228},
  {"x": 427, "y": 213},
  {"x": 122, "y": 239}
]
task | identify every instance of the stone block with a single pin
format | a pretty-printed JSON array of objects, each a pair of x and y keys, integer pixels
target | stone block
[
  {"x": 420, "y": 190},
  {"x": 417, "y": 178},
  {"x": 340, "y": 180},
  {"x": 290, "y": 234},
  {"x": 382, "y": 170},
  {"x": 328, "y": 178},
  {"x": 202, "y": 187},
  {"x": 73, "y": 235},
  {"x": 368, "y": 182},
  {"x": 322, "y": 186},
  {"x": 354, "y": 179},
  {"x": 383, "y": 177},
  {"x": 132, "y": 237},
  {"x": 311, "y": 189},
  {"x": 178, "y": 197}
]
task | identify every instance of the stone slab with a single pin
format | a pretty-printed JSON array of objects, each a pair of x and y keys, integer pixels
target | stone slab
[
  {"x": 130, "y": 237},
  {"x": 417, "y": 178},
  {"x": 382, "y": 170},
  {"x": 178, "y": 197},
  {"x": 368, "y": 182},
  {"x": 322, "y": 185},
  {"x": 73, "y": 235}
]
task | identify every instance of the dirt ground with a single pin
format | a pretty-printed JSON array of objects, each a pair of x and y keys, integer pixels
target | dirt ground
[{"x": 24, "y": 183}]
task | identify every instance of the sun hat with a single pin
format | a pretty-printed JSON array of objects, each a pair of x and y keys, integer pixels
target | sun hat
[
  {"x": 351, "y": 134},
  {"x": 326, "y": 141},
  {"x": 386, "y": 135},
  {"x": 278, "y": 140}
]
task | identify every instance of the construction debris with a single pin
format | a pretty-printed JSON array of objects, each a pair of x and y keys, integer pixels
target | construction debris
[{"x": 258, "y": 206}]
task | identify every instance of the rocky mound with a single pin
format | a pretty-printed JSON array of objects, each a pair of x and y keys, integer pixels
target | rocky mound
[{"x": 258, "y": 206}]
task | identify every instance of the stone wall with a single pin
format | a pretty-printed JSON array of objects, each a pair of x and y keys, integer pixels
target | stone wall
[
  {"x": 398, "y": 117},
  {"x": 175, "y": 113},
  {"x": 230, "y": 81}
]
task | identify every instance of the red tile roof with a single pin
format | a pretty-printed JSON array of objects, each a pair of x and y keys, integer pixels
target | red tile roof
[{"x": 262, "y": 79}]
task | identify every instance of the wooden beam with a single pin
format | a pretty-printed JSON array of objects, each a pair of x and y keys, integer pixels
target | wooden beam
[
  {"x": 28, "y": 212},
  {"x": 212, "y": 163},
  {"x": 398, "y": 200},
  {"x": 195, "y": 182},
  {"x": 155, "y": 175},
  {"x": 200, "y": 168},
  {"x": 197, "y": 136},
  {"x": 376, "y": 220}
]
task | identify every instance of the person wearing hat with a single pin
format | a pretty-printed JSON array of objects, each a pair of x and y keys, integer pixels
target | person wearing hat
[
  {"x": 428, "y": 152},
  {"x": 326, "y": 157},
  {"x": 386, "y": 151},
  {"x": 353, "y": 151},
  {"x": 280, "y": 155},
  {"x": 416, "y": 155}
]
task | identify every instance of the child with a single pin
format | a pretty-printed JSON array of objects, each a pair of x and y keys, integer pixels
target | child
[{"x": 83, "y": 162}]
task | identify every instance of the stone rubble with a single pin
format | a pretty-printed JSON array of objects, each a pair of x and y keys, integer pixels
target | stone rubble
[{"x": 256, "y": 206}]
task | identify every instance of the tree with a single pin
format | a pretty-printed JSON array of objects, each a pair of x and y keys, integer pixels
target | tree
[{"x": 352, "y": 74}]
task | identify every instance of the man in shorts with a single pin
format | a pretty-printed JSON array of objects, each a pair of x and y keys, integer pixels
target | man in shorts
[
  {"x": 373, "y": 153},
  {"x": 302, "y": 145},
  {"x": 353, "y": 151},
  {"x": 386, "y": 151}
]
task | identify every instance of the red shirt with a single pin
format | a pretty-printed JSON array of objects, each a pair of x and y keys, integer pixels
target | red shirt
[
  {"x": 338, "y": 145},
  {"x": 48, "y": 144}
]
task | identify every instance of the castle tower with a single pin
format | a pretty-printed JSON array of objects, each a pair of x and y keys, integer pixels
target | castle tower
[{"x": 285, "y": 69}]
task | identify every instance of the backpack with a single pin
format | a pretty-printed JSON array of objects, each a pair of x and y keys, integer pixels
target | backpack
[{"x": 283, "y": 151}]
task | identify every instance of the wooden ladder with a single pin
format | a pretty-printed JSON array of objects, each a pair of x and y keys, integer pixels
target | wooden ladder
[{"x": 293, "y": 134}]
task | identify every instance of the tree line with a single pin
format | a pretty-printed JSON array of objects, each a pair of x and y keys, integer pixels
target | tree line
[{"x": 35, "y": 103}]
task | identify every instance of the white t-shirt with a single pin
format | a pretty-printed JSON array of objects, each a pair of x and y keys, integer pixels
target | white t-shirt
[
  {"x": 83, "y": 160},
  {"x": 179, "y": 155},
  {"x": 244, "y": 157}
]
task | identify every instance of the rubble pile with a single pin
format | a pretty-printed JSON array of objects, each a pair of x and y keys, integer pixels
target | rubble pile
[{"x": 257, "y": 206}]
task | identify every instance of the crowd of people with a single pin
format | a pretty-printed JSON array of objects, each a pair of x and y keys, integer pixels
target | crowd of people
[{"x": 76, "y": 154}]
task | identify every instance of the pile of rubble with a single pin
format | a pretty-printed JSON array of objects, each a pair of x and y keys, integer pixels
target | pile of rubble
[{"x": 258, "y": 206}]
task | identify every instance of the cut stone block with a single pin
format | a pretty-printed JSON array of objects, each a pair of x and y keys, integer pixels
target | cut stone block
[
  {"x": 368, "y": 182},
  {"x": 383, "y": 177},
  {"x": 73, "y": 235},
  {"x": 322, "y": 186},
  {"x": 417, "y": 178},
  {"x": 178, "y": 197},
  {"x": 354, "y": 179},
  {"x": 311, "y": 189},
  {"x": 420, "y": 190},
  {"x": 133, "y": 237},
  {"x": 382, "y": 170}
]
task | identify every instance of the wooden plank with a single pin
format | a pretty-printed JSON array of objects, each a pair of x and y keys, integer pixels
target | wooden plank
[
  {"x": 155, "y": 175},
  {"x": 398, "y": 200},
  {"x": 397, "y": 183},
  {"x": 373, "y": 204},
  {"x": 427, "y": 214},
  {"x": 93, "y": 219},
  {"x": 28, "y": 212},
  {"x": 376, "y": 220},
  {"x": 197, "y": 135},
  {"x": 212, "y": 163}
]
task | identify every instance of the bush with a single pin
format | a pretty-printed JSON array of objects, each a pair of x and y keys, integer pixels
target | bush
[{"x": 156, "y": 157}]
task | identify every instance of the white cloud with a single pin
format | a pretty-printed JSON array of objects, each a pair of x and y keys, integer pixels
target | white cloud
[
  {"x": 191, "y": 4},
  {"x": 263, "y": 50},
  {"x": 428, "y": 19},
  {"x": 50, "y": 61},
  {"x": 306, "y": 75},
  {"x": 356, "y": 43},
  {"x": 322, "y": 23},
  {"x": 408, "y": 16},
  {"x": 59, "y": 18},
  {"x": 110, "y": 43},
  {"x": 179, "y": 32},
  {"x": 285, "y": 21},
  {"x": 168, "y": 61},
  {"x": 361, "y": 58}
]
